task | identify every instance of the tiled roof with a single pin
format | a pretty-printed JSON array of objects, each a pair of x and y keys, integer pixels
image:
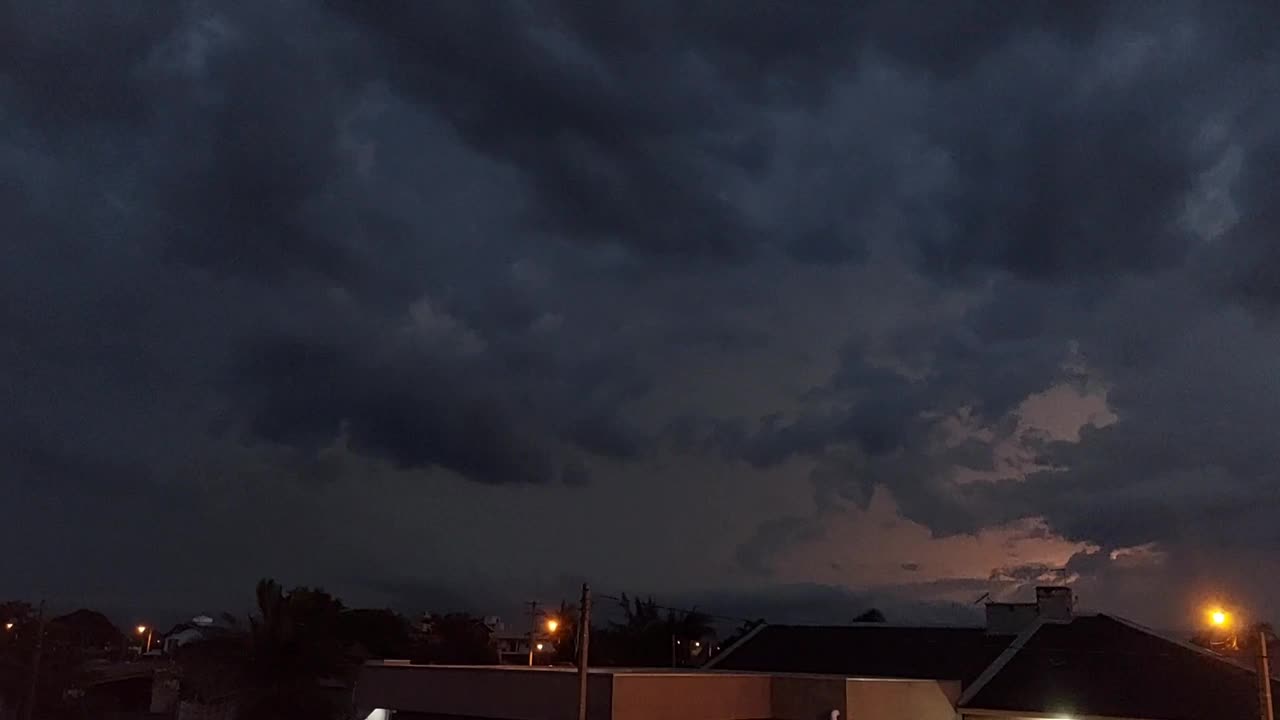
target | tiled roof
[
  {"x": 1103, "y": 666},
  {"x": 868, "y": 650}
]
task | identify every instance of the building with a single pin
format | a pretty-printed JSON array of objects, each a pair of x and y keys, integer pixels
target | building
[
  {"x": 399, "y": 691},
  {"x": 1101, "y": 666},
  {"x": 512, "y": 645},
  {"x": 201, "y": 627},
  {"x": 1031, "y": 660}
]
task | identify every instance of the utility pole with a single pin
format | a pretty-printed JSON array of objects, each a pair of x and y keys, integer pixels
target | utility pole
[
  {"x": 584, "y": 639},
  {"x": 1264, "y": 678},
  {"x": 29, "y": 709},
  {"x": 533, "y": 628}
]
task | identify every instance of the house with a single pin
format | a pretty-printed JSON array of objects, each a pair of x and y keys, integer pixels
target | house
[
  {"x": 1107, "y": 667},
  {"x": 200, "y": 627},
  {"x": 513, "y": 646},
  {"x": 1030, "y": 660}
]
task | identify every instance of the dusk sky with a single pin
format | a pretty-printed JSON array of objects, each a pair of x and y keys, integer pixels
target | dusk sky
[{"x": 784, "y": 309}]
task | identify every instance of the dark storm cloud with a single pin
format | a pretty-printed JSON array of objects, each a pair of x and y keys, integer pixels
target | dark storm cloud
[
  {"x": 71, "y": 65},
  {"x": 1251, "y": 267},
  {"x": 243, "y": 238},
  {"x": 308, "y": 394},
  {"x": 607, "y": 161}
]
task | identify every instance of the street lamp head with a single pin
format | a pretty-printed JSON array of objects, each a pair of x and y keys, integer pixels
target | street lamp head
[
  {"x": 142, "y": 629},
  {"x": 8, "y": 626},
  {"x": 552, "y": 625},
  {"x": 1218, "y": 617},
  {"x": 539, "y": 647}
]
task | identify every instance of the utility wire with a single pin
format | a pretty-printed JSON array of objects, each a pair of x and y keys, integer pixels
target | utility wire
[{"x": 689, "y": 611}]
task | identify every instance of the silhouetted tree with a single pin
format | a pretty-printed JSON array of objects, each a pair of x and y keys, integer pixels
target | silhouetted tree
[
  {"x": 870, "y": 616},
  {"x": 368, "y": 634},
  {"x": 566, "y": 637},
  {"x": 282, "y": 666},
  {"x": 647, "y": 637},
  {"x": 458, "y": 639}
]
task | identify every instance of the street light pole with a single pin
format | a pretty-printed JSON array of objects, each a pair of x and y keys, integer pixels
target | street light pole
[
  {"x": 1266, "y": 711},
  {"x": 533, "y": 627},
  {"x": 29, "y": 709},
  {"x": 584, "y": 640}
]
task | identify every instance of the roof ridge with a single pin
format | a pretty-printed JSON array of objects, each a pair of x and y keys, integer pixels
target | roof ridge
[
  {"x": 1133, "y": 625},
  {"x": 713, "y": 662},
  {"x": 998, "y": 664},
  {"x": 895, "y": 626}
]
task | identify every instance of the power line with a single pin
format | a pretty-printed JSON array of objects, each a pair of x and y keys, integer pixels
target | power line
[{"x": 690, "y": 611}]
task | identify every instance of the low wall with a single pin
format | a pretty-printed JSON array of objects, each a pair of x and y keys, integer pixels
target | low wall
[
  {"x": 901, "y": 699},
  {"x": 689, "y": 696},
  {"x": 501, "y": 693}
]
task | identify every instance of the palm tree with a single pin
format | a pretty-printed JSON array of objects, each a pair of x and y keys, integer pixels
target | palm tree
[
  {"x": 281, "y": 667},
  {"x": 294, "y": 649}
]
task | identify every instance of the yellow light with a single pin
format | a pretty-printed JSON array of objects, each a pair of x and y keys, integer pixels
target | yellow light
[
  {"x": 8, "y": 626},
  {"x": 552, "y": 625},
  {"x": 142, "y": 629},
  {"x": 1218, "y": 617}
]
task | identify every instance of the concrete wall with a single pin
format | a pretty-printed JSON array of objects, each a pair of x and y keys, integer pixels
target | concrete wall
[
  {"x": 531, "y": 694},
  {"x": 900, "y": 700},
  {"x": 808, "y": 697},
  {"x": 515, "y": 694},
  {"x": 690, "y": 697}
]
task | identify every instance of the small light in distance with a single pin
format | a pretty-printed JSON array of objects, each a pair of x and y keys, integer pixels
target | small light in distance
[
  {"x": 539, "y": 647},
  {"x": 8, "y": 626},
  {"x": 142, "y": 629}
]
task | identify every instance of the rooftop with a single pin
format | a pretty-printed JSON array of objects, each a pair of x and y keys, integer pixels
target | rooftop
[
  {"x": 1102, "y": 665},
  {"x": 867, "y": 650}
]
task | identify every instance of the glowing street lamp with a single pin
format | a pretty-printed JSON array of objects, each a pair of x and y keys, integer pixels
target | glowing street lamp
[
  {"x": 552, "y": 625},
  {"x": 1221, "y": 619},
  {"x": 8, "y": 627},
  {"x": 143, "y": 629}
]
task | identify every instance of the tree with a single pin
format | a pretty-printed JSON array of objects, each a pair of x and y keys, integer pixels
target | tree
[
  {"x": 369, "y": 634},
  {"x": 648, "y": 638},
  {"x": 282, "y": 666},
  {"x": 870, "y": 616},
  {"x": 458, "y": 639},
  {"x": 567, "y": 634}
]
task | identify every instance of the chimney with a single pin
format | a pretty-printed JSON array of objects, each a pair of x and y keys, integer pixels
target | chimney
[{"x": 1055, "y": 603}]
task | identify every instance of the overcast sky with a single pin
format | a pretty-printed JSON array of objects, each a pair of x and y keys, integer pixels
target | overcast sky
[{"x": 783, "y": 308}]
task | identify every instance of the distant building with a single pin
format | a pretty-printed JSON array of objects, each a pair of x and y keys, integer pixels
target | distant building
[
  {"x": 512, "y": 645},
  {"x": 200, "y": 627}
]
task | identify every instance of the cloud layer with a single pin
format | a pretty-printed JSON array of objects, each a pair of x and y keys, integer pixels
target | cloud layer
[{"x": 1000, "y": 265}]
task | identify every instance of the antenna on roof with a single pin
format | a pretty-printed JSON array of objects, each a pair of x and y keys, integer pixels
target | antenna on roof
[{"x": 985, "y": 596}]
